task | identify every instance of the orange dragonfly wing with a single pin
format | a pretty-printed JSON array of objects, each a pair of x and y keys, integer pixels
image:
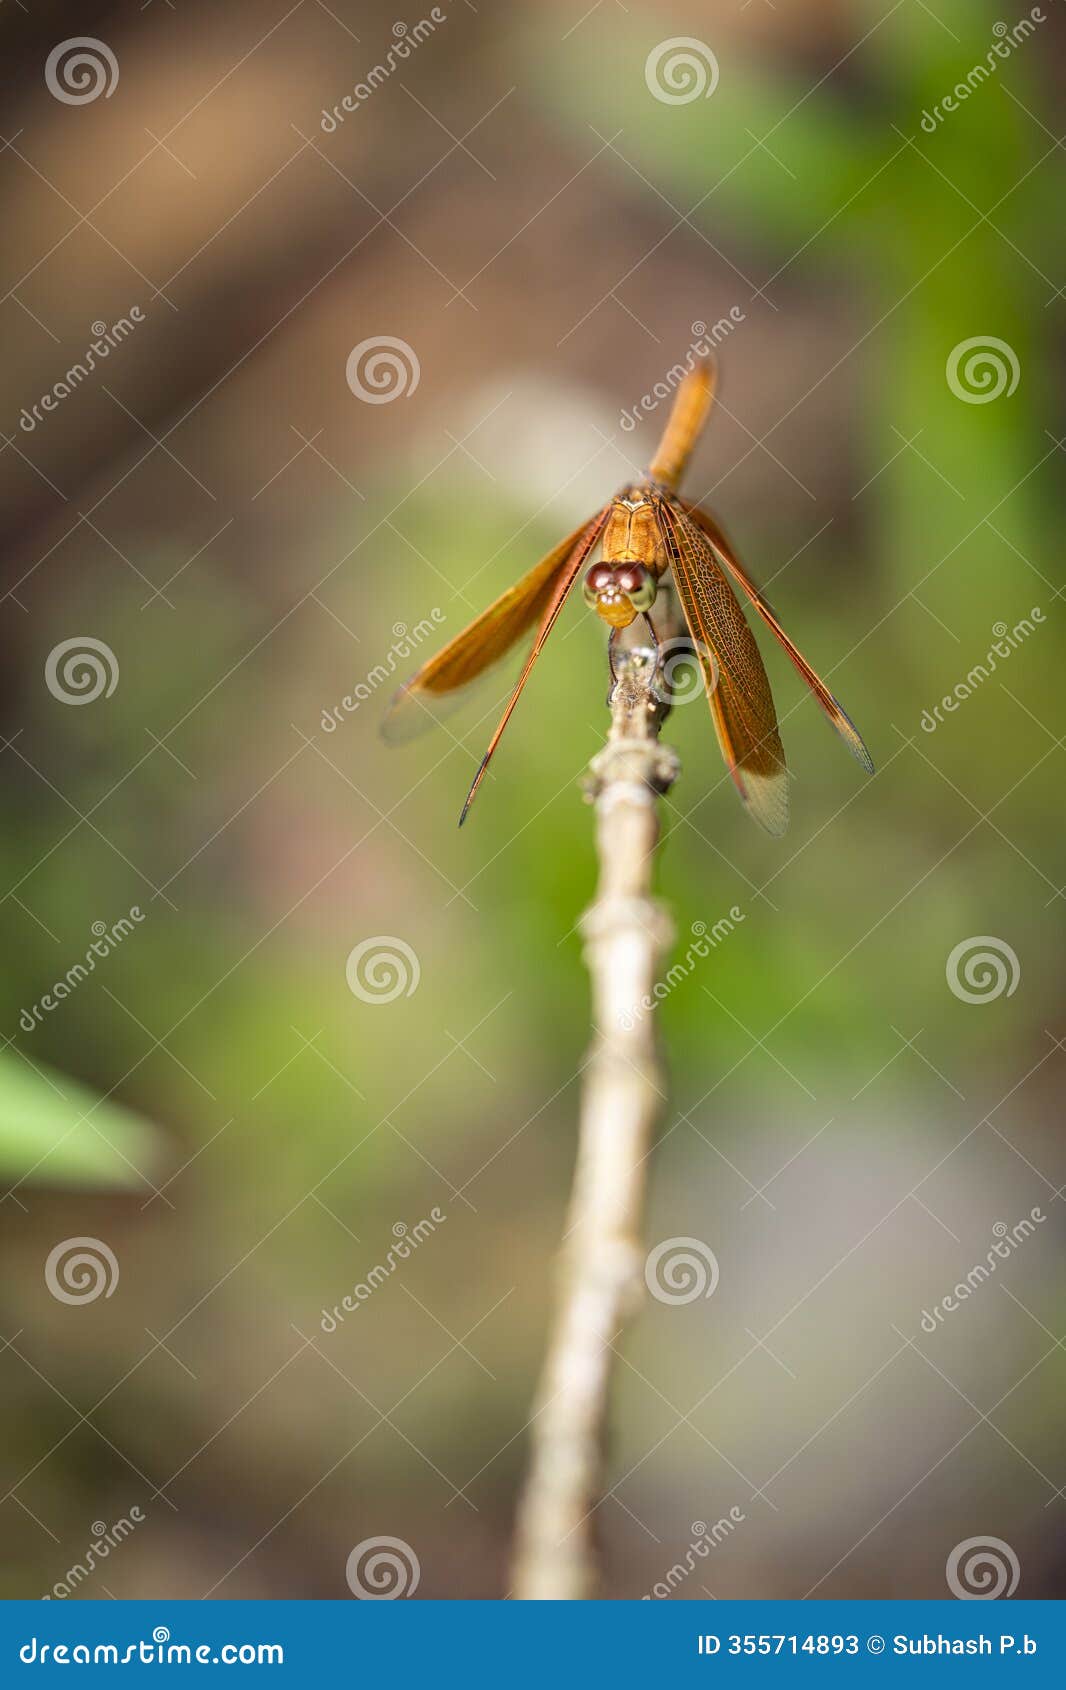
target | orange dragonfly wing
[
  {"x": 480, "y": 645},
  {"x": 738, "y": 690},
  {"x": 839, "y": 717},
  {"x": 562, "y": 582},
  {"x": 536, "y": 599}
]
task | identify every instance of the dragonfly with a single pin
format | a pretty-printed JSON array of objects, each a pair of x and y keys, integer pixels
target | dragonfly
[{"x": 626, "y": 550}]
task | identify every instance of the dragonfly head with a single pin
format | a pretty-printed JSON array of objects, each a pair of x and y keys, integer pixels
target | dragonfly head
[{"x": 619, "y": 592}]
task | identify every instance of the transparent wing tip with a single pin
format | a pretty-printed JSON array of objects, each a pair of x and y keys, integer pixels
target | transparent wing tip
[{"x": 766, "y": 799}]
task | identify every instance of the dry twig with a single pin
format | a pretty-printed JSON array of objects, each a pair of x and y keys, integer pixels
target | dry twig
[{"x": 626, "y": 934}]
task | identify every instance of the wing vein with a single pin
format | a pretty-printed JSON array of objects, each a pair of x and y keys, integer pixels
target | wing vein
[{"x": 738, "y": 691}]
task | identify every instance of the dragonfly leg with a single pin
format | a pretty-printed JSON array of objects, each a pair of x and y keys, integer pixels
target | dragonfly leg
[
  {"x": 656, "y": 648},
  {"x": 656, "y": 645},
  {"x": 610, "y": 663}
]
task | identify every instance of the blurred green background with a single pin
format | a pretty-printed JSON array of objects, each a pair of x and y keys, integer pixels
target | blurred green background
[{"x": 247, "y": 536}]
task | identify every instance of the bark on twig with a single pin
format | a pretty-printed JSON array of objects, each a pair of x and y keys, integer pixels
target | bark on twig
[{"x": 626, "y": 934}]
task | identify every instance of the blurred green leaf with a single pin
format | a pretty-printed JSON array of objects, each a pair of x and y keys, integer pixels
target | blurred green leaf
[
  {"x": 55, "y": 1131},
  {"x": 739, "y": 155}
]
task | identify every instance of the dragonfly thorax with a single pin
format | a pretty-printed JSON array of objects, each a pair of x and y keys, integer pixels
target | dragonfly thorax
[{"x": 623, "y": 584}]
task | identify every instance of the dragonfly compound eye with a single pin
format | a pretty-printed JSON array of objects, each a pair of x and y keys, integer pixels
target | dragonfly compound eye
[
  {"x": 599, "y": 578},
  {"x": 638, "y": 584}
]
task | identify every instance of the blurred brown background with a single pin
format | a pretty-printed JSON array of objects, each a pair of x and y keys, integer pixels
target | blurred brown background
[{"x": 252, "y": 542}]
